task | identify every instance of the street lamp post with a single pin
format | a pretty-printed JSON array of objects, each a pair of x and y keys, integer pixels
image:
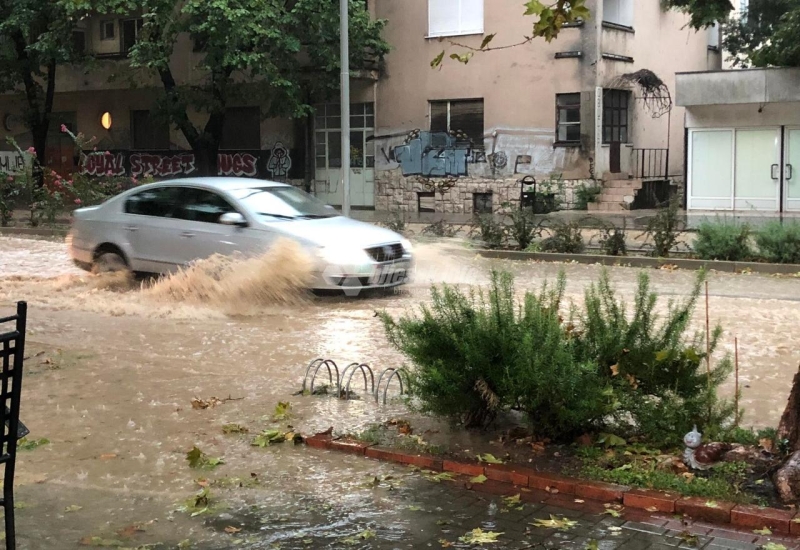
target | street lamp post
[{"x": 345, "y": 100}]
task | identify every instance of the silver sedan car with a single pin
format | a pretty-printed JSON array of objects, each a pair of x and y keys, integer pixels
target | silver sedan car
[{"x": 159, "y": 227}]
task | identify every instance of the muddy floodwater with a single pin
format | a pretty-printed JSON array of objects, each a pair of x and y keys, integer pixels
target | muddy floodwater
[{"x": 113, "y": 368}]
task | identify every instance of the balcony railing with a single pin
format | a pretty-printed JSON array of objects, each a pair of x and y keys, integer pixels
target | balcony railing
[{"x": 650, "y": 163}]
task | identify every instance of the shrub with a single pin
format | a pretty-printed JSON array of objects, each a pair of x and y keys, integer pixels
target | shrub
[
  {"x": 664, "y": 228},
  {"x": 612, "y": 240},
  {"x": 440, "y": 229},
  {"x": 657, "y": 370},
  {"x": 491, "y": 232},
  {"x": 481, "y": 353},
  {"x": 585, "y": 194},
  {"x": 396, "y": 223},
  {"x": 723, "y": 241},
  {"x": 9, "y": 191},
  {"x": 523, "y": 227},
  {"x": 779, "y": 242},
  {"x": 484, "y": 352},
  {"x": 565, "y": 238}
]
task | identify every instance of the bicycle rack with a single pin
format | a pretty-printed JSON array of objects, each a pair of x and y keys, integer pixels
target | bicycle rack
[
  {"x": 317, "y": 364},
  {"x": 351, "y": 369},
  {"x": 393, "y": 372}
]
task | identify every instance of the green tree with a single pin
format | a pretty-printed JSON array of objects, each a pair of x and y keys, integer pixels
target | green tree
[
  {"x": 35, "y": 39},
  {"x": 766, "y": 34},
  {"x": 282, "y": 54}
]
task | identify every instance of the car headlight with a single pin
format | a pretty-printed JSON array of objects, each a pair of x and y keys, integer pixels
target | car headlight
[
  {"x": 406, "y": 245},
  {"x": 344, "y": 255}
]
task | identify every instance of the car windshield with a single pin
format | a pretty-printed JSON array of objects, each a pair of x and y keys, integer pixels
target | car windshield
[{"x": 287, "y": 203}]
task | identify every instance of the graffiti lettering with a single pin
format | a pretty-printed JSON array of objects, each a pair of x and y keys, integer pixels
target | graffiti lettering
[
  {"x": 162, "y": 165},
  {"x": 236, "y": 164},
  {"x": 11, "y": 163},
  {"x": 280, "y": 162},
  {"x": 432, "y": 155},
  {"x": 104, "y": 163}
]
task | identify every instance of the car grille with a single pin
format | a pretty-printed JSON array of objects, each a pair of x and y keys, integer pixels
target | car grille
[{"x": 386, "y": 253}]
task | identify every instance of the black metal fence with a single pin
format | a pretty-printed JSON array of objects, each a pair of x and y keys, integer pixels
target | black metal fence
[{"x": 650, "y": 163}]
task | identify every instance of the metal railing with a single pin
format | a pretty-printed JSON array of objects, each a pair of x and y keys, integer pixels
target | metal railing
[{"x": 650, "y": 163}]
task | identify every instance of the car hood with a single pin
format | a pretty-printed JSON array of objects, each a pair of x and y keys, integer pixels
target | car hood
[{"x": 338, "y": 230}]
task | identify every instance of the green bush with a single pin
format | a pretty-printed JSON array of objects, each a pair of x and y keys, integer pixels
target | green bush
[
  {"x": 491, "y": 232},
  {"x": 565, "y": 238},
  {"x": 723, "y": 241},
  {"x": 480, "y": 353},
  {"x": 484, "y": 352},
  {"x": 523, "y": 227},
  {"x": 612, "y": 240},
  {"x": 664, "y": 229},
  {"x": 658, "y": 370},
  {"x": 585, "y": 194},
  {"x": 779, "y": 242}
]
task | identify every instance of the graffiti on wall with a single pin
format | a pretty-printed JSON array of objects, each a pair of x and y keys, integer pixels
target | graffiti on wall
[
  {"x": 104, "y": 163},
  {"x": 275, "y": 164},
  {"x": 280, "y": 162},
  {"x": 11, "y": 162},
  {"x": 432, "y": 155},
  {"x": 237, "y": 164},
  {"x": 162, "y": 166}
]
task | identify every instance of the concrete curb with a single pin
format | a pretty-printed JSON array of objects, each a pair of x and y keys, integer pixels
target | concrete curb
[
  {"x": 531, "y": 484},
  {"x": 33, "y": 231},
  {"x": 642, "y": 261}
]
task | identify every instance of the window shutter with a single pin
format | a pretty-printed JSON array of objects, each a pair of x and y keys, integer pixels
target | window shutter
[
  {"x": 467, "y": 117},
  {"x": 471, "y": 16},
  {"x": 442, "y": 17},
  {"x": 438, "y": 116}
]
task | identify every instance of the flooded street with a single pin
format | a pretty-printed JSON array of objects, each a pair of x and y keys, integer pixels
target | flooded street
[{"x": 112, "y": 371}]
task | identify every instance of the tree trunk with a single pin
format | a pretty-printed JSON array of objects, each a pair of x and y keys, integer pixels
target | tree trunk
[
  {"x": 787, "y": 479},
  {"x": 789, "y": 427},
  {"x": 206, "y": 159}
]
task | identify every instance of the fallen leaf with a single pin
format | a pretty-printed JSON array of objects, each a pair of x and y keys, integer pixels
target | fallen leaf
[
  {"x": 414, "y": 508},
  {"x": 592, "y": 545},
  {"x": 108, "y": 456},
  {"x": 199, "y": 459},
  {"x": 479, "y": 536},
  {"x": 613, "y": 513},
  {"x": 479, "y": 479},
  {"x": 231, "y": 529},
  {"x": 764, "y": 531},
  {"x": 688, "y": 538},
  {"x": 234, "y": 429},
  {"x": 445, "y": 543},
  {"x": 489, "y": 459},
  {"x": 767, "y": 444},
  {"x": 356, "y": 539},
  {"x": 551, "y": 490},
  {"x": 651, "y": 509},
  {"x": 579, "y": 501},
  {"x": 712, "y": 504},
  {"x": 269, "y": 437},
  {"x": 513, "y": 502},
  {"x": 444, "y": 476},
  {"x": 614, "y": 530},
  {"x": 26, "y": 444},
  {"x": 555, "y": 523},
  {"x": 614, "y": 370},
  {"x": 773, "y": 546},
  {"x": 72, "y": 508},
  {"x": 283, "y": 410}
]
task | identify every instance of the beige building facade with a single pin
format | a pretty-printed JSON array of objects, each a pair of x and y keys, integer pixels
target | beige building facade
[{"x": 458, "y": 138}]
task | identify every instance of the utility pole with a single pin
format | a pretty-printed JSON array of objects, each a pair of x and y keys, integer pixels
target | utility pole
[{"x": 345, "y": 85}]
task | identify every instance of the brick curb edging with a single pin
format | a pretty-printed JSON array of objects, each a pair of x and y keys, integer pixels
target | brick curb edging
[
  {"x": 643, "y": 261},
  {"x": 507, "y": 479}
]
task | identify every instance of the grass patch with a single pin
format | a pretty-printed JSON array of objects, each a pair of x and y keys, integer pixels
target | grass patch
[{"x": 724, "y": 481}]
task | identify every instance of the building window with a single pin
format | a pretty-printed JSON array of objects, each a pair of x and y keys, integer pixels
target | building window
[
  {"x": 131, "y": 29},
  {"x": 108, "y": 30},
  {"x": 615, "y": 116},
  {"x": 455, "y": 17},
  {"x": 426, "y": 201},
  {"x": 79, "y": 40},
  {"x": 482, "y": 203},
  {"x": 149, "y": 132},
  {"x": 568, "y": 118},
  {"x": 328, "y": 136},
  {"x": 462, "y": 118},
  {"x": 241, "y": 129},
  {"x": 619, "y": 12}
]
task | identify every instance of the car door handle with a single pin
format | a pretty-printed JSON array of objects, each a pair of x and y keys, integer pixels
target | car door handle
[
  {"x": 187, "y": 234},
  {"x": 131, "y": 228}
]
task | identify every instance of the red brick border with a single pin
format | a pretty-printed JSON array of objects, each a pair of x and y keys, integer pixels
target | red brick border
[{"x": 509, "y": 479}]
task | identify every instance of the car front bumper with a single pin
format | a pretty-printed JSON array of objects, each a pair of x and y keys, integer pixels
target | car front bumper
[{"x": 352, "y": 279}]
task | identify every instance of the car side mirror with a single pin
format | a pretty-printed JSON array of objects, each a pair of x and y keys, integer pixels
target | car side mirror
[{"x": 233, "y": 218}]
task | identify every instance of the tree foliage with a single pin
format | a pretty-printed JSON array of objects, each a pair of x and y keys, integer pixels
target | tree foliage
[
  {"x": 35, "y": 39},
  {"x": 767, "y": 33},
  {"x": 282, "y": 54}
]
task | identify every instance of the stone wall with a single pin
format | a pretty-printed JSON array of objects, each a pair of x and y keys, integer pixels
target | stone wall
[{"x": 397, "y": 193}]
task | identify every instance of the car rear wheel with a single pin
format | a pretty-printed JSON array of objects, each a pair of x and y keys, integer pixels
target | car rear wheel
[{"x": 109, "y": 262}]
